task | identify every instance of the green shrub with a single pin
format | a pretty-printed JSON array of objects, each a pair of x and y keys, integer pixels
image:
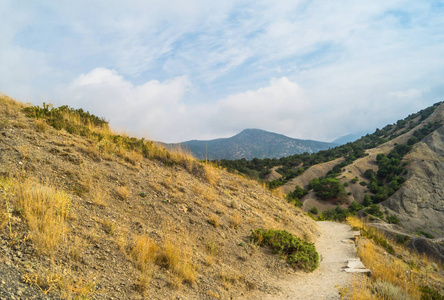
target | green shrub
[
  {"x": 425, "y": 233},
  {"x": 314, "y": 210},
  {"x": 299, "y": 254},
  {"x": 392, "y": 219},
  {"x": 429, "y": 293},
  {"x": 402, "y": 239},
  {"x": 354, "y": 180}
]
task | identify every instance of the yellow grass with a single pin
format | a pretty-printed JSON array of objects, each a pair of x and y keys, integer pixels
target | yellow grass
[
  {"x": 123, "y": 192},
  {"x": 212, "y": 174},
  {"x": 144, "y": 252},
  {"x": 392, "y": 274},
  {"x": 45, "y": 210},
  {"x": 41, "y": 125},
  {"x": 214, "y": 220},
  {"x": 98, "y": 196},
  {"x": 176, "y": 256},
  {"x": 235, "y": 220}
]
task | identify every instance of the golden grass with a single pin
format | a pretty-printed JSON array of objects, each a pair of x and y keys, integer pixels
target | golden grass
[
  {"x": 45, "y": 210},
  {"x": 392, "y": 275},
  {"x": 235, "y": 220},
  {"x": 9, "y": 106},
  {"x": 214, "y": 220},
  {"x": 123, "y": 192},
  {"x": 212, "y": 173},
  {"x": 176, "y": 256},
  {"x": 50, "y": 279},
  {"x": 41, "y": 125},
  {"x": 98, "y": 196},
  {"x": 109, "y": 226},
  {"x": 144, "y": 252}
]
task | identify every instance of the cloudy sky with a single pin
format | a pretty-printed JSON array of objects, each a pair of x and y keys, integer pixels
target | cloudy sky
[{"x": 200, "y": 69}]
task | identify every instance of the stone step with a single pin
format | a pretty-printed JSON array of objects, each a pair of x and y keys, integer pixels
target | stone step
[{"x": 356, "y": 266}]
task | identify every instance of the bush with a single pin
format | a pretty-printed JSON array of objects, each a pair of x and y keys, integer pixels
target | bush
[
  {"x": 299, "y": 254},
  {"x": 354, "y": 180},
  {"x": 392, "y": 219},
  {"x": 429, "y": 293},
  {"x": 314, "y": 210}
]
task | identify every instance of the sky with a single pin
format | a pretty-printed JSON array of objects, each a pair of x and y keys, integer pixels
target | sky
[{"x": 174, "y": 70}]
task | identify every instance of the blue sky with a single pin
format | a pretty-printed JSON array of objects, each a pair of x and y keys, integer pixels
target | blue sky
[{"x": 180, "y": 70}]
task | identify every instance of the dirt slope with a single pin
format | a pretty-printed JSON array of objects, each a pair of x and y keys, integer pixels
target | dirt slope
[{"x": 120, "y": 199}]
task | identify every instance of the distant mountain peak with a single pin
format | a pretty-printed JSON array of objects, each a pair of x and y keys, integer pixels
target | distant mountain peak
[{"x": 253, "y": 143}]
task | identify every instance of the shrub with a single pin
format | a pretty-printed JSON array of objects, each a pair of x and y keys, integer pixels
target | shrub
[
  {"x": 314, "y": 210},
  {"x": 392, "y": 219},
  {"x": 429, "y": 293},
  {"x": 299, "y": 254},
  {"x": 354, "y": 180}
]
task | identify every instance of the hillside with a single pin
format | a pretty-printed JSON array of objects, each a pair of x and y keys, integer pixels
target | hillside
[
  {"x": 252, "y": 143},
  {"x": 87, "y": 213},
  {"x": 395, "y": 174}
]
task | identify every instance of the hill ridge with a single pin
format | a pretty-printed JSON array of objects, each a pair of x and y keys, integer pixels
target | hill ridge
[{"x": 251, "y": 143}]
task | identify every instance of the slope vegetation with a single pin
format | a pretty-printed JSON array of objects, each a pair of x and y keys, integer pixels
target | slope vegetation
[{"x": 89, "y": 213}]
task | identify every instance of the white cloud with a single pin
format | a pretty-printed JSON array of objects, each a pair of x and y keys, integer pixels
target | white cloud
[
  {"x": 407, "y": 94},
  {"x": 151, "y": 108}
]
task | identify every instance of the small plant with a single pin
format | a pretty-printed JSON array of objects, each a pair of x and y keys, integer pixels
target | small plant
[
  {"x": 214, "y": 220},
  {"x": 299, "y": 254},
  {"x": 425, "y": 233},
  {"x": 314, "y": 210},
  {"x": 354, "y": 180},
  {"x": 109, "y": 227},
  {"x": 342, "y": 291},
  {"x": 143, "y": 194},
  {"x": 393, "y": 219},
  {"x": 123, "y": 192},
  {"x": 363, "y": 183},
  {"x": 429, "y": 293},
  {"x": 235, "y": 220}
]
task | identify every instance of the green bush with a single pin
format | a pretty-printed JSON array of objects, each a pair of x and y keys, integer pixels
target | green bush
[
  {"x": 392, "y": 219},
  {"x": 314, "y": 210},
  {"x": 429, "y": 293},
  {"x": 299, "y": 254}
]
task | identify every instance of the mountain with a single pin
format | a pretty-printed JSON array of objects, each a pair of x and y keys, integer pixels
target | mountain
[
  {"x": 252, "y": 143},
  {"x": 86, "y": 213},
  {"x": 348, "y": 138},
  {"x": 399, "y": 169}
]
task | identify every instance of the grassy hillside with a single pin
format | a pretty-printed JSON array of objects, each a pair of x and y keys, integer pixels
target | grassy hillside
[{"x": 89, "y": 213}]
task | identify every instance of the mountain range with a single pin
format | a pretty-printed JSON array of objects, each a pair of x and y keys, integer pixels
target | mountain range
[{"x": 252, "y": 143}]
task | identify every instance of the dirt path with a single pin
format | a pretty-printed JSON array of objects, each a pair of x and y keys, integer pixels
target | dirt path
[{"x": 321, "y": 283}]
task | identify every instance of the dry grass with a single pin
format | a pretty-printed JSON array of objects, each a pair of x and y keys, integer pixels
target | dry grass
[
  {"x": 109, "y": 226},
  {"x": 230, "y": 278},
  {"x": 76, "y": 246},
  {"x": 176, "y": 256},
  {"x": 212, "y": 174},
  {"x": 9, "y": 106},
  {"x": 50, "y": 279},
  {"x": 41, "y": 125},
  {"x": 235, "y": 220},
  {"x": 98, "y": 196},
  {"x": 214, "y": 220},
  {"x": 45, "y": 210},
  {"x": 392, "y": 275},
  {"x": 123, "y": 192},
  {"x": 144, "y": 252}
]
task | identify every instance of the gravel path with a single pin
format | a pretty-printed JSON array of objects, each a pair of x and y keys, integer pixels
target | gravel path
[{"x": 320, "y": 284}]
